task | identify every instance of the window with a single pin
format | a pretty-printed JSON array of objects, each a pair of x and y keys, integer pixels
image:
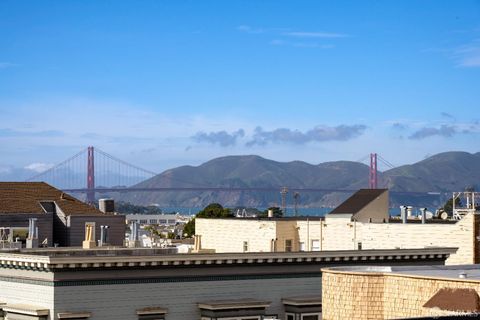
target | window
[
  {"x": 290, "y": 316},
  {"x": 311, "y": 316},
  {"x": 143, "y": 221},
  {"x": 163, "y": 221},
  {"x": 288, "y": 245},
  {"x": 301, "y": 246},
  {"x": 153, "y": 221},
  {"x": 359, "y": 245},
  {"x": 245, "y": 246},
  {"x": 171, "y": 221},
  {"x": 315, "y": 245}
]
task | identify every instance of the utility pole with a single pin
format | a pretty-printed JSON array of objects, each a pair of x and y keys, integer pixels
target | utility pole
[
  {"x": 284, "y": 192},
  {"x": 90, "y": 176},
  {"x": 296, "y": 196},
  {"x": 372, "y": 179}
]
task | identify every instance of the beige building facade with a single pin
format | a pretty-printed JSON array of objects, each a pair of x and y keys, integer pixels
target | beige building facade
[
  {"x": 399, "y": 293},
  {"x": 342, "y": 231}
]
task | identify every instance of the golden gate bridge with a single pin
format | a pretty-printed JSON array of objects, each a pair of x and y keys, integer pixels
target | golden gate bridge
[{"x": 92, "y": 171}]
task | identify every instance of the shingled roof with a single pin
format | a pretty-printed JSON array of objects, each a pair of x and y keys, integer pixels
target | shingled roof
[
  {"x": 25, "y": 198},
  {"x": 358, "y": 201},
  {"x": 458, "y": 299}
]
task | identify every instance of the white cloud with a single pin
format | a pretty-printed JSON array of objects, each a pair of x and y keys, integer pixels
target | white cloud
[
  {"x": 5, "y": 169},
  {"x": 39, "y": 167},
  {"x": 249, "y": 29},
  {"x": 5, "y": 65},
  {"x": 304, "y": 34},
  {"x": 303, "y": 44},
  {"x": 468, "y": 55}
]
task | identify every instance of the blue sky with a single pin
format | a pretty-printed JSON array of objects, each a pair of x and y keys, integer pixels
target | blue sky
[{"x": 168, "y": 83}]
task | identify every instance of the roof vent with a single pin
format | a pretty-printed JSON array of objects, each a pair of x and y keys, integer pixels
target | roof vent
[
  {"x": 106, "y": 205},
  {"x": 462, "y": 275}
]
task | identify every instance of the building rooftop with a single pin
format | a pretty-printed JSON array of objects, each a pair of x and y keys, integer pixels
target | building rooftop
[
  {"x": 70, "y": 258},
  {"x": 287, "y": 218},
  {"x": 358, "y": 201},
  {"x": 455, "y": 299},
  {"x": 470, "y": 272},
  {"x": 40, "y": 198}
]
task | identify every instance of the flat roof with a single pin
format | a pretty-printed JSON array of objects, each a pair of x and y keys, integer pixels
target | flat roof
[
  {"x": 287, "y": 218},
  {"x": 68, "y": 258},
  {"x": 468, "y": 272}
]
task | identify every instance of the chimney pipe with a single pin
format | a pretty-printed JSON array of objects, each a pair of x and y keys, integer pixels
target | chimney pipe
[
  {"x": 409, "y": 211},
  {"x": 270, "y": 213},
  {"x": 424, "y": 214},
  {"x": 32, "y": 239},
  {"x": 403, "y": 214},
  {"x": 103, "y": 235}
]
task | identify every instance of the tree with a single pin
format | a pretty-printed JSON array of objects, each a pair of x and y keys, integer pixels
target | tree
[
  {"x": 189, "y": 228},
  {"x": 153, "y": 231},
  {"x": 214, "y": 210},
  {"x": 277, "y": 212},
  {"x": 448, "y": 207}
]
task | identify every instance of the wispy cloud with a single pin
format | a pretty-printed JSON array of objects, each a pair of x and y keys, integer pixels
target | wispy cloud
[
  {"x": 446, "y": 130},
  {"x": 315, "y": 34},
  {"x": 222, "y": 138},
  {"x": 249, "y": 29},
  {"x": 6, "y": 132},
  {"x": 303, "y": 44},
  {"x": 5, "y": 65},
  {"x": 39, "y": 166},
  {"x": 442, "y": 131},
  {"x": 285, "y": 36},
  {"x": 399, "y": 126},
  {"x": 468, "y": 55},
  {"x": 447, "y": 115},
  {"x": 317, "y": 134}
]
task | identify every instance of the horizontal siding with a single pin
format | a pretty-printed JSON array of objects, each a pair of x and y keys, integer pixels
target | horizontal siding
[
  {"x": 116, "y": 231},
  {"x": 120, "y": 301}
]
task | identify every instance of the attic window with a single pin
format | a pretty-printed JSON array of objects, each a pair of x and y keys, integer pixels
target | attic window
[{"x": 48, "y": 206}]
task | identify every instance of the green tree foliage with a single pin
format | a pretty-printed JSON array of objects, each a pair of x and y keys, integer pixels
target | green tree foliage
[
  {"x": 214, "y": 210},
  {"x": 448, "y": 207},
  {"x": 153, "y": 231},
  {"x": 189, "y": 228},
  {"x": 277, "y": 212}
]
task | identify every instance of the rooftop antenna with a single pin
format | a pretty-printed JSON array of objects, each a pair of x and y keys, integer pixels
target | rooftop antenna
[
  {"x": 372, "y": 179},
  {"x": 284, "y": 193},
  {"x": 296, "y": 196}
]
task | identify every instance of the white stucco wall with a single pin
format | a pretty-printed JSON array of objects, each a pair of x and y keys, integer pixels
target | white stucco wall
[
  {"x": 114, "y": 302},
  {"x": 339, "y": 233}
]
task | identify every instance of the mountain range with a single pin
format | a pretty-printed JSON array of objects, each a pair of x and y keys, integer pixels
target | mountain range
[{"x": 444, "y": 173}]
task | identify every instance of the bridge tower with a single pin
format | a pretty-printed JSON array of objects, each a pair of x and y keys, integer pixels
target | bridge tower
[
  {"x": 90, "y": 175},
  {"x": 372, "y": 179}
]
